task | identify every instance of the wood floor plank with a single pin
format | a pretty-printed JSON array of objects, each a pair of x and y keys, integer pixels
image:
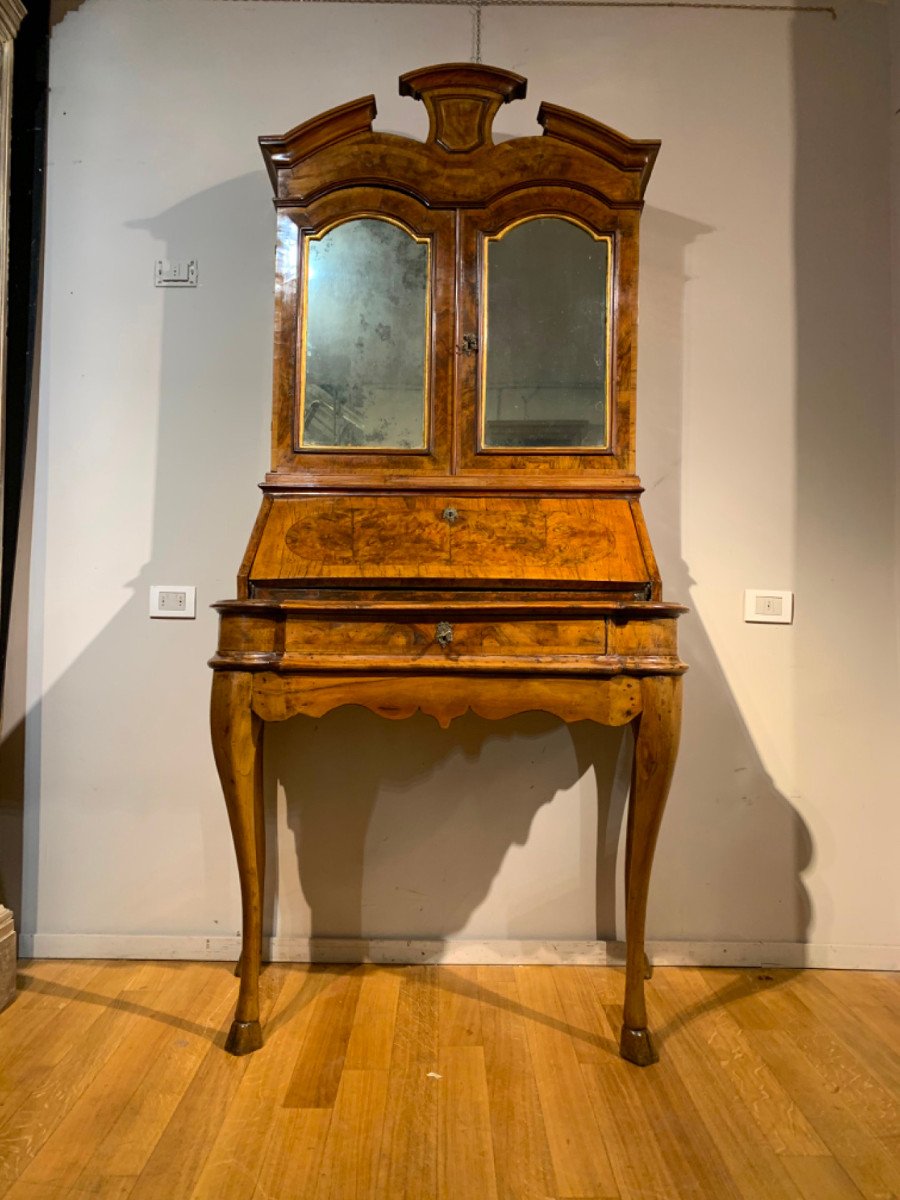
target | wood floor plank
[
  {"x": 372, "y": 1033},
  {"x": 867, "y": 1161},
  {"x": 87, "y": 1120},
  {"x": 593, "y": 1038},
  {"x": 671, "y": 1104},
  {"x": 30, "y": 1061},
  {"x": 294, "y": 1154},
  {"x": 181, "y": 1152},
  {"x": 637, "y": 1157},
  {"x": 715, "y": 1078},
  {"x": 861, "y": 987},
  {"x": 317, "y": 1073},
  {"x": 39, "y": 1105},
  {"x": 418, "y": 1017},
  {"x": 43, "y": 989},
  {"x": 523, "y": 1166},
  {"x": 820, "y": 1178},
  {"x": 488, "y": 976},
  {"x": 459, "y": 1014},
  {"x": 473, "y": 1083},
  {"x": 465, "y": 1144},
  {"x": 116, "y": 1164},
  {"x": 609, "y": 984},
  {"x": 235, "y": 1159},
  {"x": 783, "y": 1125},
  {"x": 577, "y": 1148},
  {"x": 349, "y": 1168},
  {"x": 758, "y": 998},
  {"x": 843, "y": 1071},
  {"x": 861, "y": 1030},
  {"x": 408, "y": 1166},
  {"x": 297, "y": 1136}
]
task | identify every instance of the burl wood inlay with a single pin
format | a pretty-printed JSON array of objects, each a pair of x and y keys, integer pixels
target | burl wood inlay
[
  {"x": 490, "y": 538},
  {"x": 449, "y": 578}
]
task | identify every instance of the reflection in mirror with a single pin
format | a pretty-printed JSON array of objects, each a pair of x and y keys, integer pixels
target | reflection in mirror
[
  {"x": 546, "y": 343},
  {"x": 366, "y": 322}
]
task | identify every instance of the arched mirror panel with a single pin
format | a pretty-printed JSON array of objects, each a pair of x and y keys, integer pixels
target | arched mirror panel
[
  {"x": 364, "y": 338},
  {"x": 546, "y": 337}
]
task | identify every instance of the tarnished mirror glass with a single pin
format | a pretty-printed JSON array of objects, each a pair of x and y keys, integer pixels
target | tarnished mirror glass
[
  {"x": 546, "y": 337},
  {"x": 365, "y": 338}
]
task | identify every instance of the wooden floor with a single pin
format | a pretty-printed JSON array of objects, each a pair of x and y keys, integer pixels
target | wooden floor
[{"x": 464, "y": 1083}]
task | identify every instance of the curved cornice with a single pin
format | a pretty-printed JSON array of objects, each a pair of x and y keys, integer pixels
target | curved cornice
[
  {"x": 622, "y": 152},
  {"x": 324, "y": 130},
  {"x": 462, "y": 100}
]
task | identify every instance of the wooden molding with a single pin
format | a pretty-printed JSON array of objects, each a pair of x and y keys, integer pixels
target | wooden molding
[
  {"x": 612, "y": 702},
  {"x": 462, "y": 100},
  {"x": 7, "y": 957},
  {"x": 285, "y": 151},
  {"x": 12, "y": 13},
  {"x": 620, "y": 151}
]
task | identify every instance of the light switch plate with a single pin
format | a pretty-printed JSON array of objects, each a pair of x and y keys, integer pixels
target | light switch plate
[
  {"x": 169, "y": 273},
  {"x": 177, "y": 600},
  {"x": 769, "y": 606}
]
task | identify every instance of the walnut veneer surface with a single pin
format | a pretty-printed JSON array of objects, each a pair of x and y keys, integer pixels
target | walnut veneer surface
[{"x": 454, "y": 576}]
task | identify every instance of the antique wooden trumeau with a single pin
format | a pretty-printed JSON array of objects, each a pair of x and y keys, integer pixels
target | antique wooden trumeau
[{"x": 452, "y": 520}]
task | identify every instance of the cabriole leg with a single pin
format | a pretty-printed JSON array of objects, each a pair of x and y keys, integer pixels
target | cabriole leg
[
  {"x": 237, "y": 745},
  {"x": 656, "y": 734}
]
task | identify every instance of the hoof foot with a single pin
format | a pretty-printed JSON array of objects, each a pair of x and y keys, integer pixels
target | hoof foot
[
  {"x": 244, "y": 1037},
  {"x": 636, "y": 1045}
]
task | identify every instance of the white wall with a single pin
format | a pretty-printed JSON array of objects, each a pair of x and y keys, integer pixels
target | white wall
[{"x": 766, "y": 442}]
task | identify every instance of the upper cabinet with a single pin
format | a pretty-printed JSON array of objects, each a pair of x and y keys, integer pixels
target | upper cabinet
[{"x": 455, "y": 309}]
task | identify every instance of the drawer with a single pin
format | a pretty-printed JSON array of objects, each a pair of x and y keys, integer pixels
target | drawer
[
  {"x": 450, "y": 640},
  {"x": 604, "y": 638}
]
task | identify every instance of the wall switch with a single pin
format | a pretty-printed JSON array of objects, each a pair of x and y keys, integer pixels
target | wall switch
[
  {"x": 173, "y": 600},
  {"x": 769, "y": 605},
  {"x": 169, "y": 273}
]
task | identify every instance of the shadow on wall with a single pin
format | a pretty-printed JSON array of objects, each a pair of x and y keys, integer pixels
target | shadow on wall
[
  {"x": 400, "y": 829},
  {"x": 846, "y": 431},
  {"x": 725, "y": 816}
]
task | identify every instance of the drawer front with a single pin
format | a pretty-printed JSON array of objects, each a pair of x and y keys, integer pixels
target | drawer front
[
  {"x": 289, "y": 638},
  {"x": 450, "y": 640},
  {"x": 487, "y": 540}
]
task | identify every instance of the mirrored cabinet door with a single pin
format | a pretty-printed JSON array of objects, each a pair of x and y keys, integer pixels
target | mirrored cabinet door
[
  {"x": 545, "y": 337},
  {"x": 365, "y": 339},
  {"x": 537, "y": 375},
  {"x": 364, "y": 310}
]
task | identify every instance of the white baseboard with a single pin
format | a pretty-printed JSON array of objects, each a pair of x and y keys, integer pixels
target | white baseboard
[{"x": 460, "y": 950}]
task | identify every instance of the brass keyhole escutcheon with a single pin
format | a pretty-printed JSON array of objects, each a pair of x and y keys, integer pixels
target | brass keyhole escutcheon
[
  {"x": 444, "y": 633},
  {"x": 450, "y": 514}
]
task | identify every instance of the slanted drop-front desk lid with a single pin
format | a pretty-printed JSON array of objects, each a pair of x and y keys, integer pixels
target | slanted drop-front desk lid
[{"x": 495, "y": 541}]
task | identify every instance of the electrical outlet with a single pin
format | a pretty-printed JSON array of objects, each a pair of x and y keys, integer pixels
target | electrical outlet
[
  {"x": 769, "y": 606},
  {"x": 173, "y": 600}
]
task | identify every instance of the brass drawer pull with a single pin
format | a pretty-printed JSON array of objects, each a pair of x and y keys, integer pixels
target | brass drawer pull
[
  {"x": 444, "y": 633},
  {"x": 450, "y": 514}
]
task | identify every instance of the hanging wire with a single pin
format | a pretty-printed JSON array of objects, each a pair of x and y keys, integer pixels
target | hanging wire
[{"x": 476, "y": 31}]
